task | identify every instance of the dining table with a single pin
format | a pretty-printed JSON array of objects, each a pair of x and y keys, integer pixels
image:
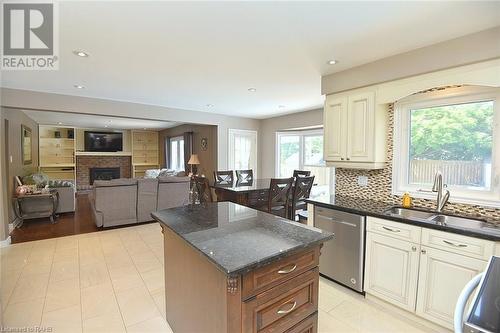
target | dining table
[{"x": 250, "y": 194}]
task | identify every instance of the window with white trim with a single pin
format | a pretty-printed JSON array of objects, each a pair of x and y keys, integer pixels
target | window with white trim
[
  {"x": 302, "y": 150},
  {"x": 177, "y": 153},
  {"x": 454, "y": 131}
]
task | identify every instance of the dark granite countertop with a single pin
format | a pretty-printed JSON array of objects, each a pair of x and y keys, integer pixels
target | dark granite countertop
[
  {"x": 490, "y": 229},
  {"x": 236, "y": 238}
]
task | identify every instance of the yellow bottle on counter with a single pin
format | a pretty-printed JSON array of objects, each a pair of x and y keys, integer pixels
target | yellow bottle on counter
[{"x": 406, "y": 200}]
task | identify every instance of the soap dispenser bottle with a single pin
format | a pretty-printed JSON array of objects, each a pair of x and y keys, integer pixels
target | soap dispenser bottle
[{"x": 406, "y": 200}]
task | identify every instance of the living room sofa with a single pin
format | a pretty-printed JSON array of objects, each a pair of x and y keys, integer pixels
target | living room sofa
[{"x": 129, "y": 201}]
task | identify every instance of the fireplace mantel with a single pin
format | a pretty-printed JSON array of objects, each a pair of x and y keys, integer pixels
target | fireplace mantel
[{"x": 98, "y": 153}]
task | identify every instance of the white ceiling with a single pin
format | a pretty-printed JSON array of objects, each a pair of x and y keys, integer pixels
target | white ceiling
[
  {"x": 95, "y": 121},
  {"x": 189, "y": 54}
]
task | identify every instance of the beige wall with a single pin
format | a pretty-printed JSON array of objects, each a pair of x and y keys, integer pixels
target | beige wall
[
  {"x": 4, "y": 229},
  {"x": 65, "y": 103},
  {"x": 16, "y": 118},
  {"x": 208, "y": 158},
  {"x": 468, "y": 49},
  {"x": 268, "y": 129}
]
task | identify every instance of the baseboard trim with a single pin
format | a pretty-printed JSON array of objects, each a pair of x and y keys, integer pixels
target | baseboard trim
[
  {"x": 6, "y": 242},
  {"x": 404, "y": 313}
]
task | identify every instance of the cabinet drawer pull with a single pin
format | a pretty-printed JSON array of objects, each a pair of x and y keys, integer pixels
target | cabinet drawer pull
[
  {"x": 289, "y": 269},
  {"x": 454, "y": 244},
  {"x": 390, "y": 229},
  {"x": 287, "y": 311}
]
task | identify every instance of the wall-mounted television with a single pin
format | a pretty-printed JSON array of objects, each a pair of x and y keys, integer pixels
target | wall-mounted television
[{"x": 103, "y": 141}]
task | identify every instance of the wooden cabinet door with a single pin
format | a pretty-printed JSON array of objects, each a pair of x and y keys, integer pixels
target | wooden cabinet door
[
  {"x": 391, "y": 270},
  {"x": 335, "y": 121},
  {"x": 442, "y": 277},
  {"x": 361, "y": 127}
]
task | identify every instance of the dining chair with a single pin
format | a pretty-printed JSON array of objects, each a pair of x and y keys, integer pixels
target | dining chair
[
  {"x": 278, "y": 197},
  {"x": 301, "y": 191},
  {"x": 224, "y": 177},
  {"x": 203, "y": 189},
  {"x": 244, "y": 177},
  {"x": 301, "y": 173}
]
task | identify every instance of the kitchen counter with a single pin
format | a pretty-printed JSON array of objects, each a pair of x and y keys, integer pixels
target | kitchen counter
[
  {"x": 490, "y": 230},
  {"x": 230, "y": 268},
  {"x": 236, "y": 244}
]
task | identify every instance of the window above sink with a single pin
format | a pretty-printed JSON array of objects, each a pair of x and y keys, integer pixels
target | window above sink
[{"x": 455, "y": 131}]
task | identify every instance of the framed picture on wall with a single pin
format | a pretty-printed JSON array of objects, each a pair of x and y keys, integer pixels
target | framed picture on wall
[
  {"x": 26, "y": 142},
  {"x": 204, "y": 144}
]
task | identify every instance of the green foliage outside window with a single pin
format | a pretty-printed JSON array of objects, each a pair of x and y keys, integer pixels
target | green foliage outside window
[{"x": 462, "y": 132}]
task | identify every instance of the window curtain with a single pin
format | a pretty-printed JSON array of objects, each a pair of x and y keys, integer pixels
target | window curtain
[
  {"x": 188, "y": 148},
  {"x": 167, "y": 153}
]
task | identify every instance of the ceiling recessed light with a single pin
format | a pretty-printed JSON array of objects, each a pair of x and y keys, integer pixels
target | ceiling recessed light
[
  {"x": 252, "y": 89},
  {"x": 80, "y": 53},
  {"x": 78, "y": 86},
  {"x": 333, "y": 62},
  {"x": 210, "y": 105},
  {"x": 106, "y": 126}
]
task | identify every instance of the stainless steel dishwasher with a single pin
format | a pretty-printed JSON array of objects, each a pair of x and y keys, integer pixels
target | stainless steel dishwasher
[{"x": 342, "y": 258}]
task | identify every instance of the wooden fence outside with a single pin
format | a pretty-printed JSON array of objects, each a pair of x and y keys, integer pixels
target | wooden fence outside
[{"x": 454, "y": 172}]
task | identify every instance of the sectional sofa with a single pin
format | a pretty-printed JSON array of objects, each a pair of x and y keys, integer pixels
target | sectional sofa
[{"x": 129, "y": 201}]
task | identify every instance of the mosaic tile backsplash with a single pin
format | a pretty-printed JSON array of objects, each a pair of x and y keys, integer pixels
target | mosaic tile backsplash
[{"x": 380, "y": 185}]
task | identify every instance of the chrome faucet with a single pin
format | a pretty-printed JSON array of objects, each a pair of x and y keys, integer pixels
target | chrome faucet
[{"x": 439, "y": 187}]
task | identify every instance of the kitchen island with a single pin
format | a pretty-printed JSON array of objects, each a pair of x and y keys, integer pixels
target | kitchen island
[{"x": 229, "y": 268}]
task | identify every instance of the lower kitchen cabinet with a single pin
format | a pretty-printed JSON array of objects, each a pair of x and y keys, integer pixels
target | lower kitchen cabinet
[
  {"x": 442, "y": 277},
  {"x": 391, "y": 270},
  {"x": 425, "y": 278}
]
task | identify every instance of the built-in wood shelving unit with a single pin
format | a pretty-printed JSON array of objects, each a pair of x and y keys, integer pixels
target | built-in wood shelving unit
[
  {"x": 57, "y": 151},
  {"x": 145, "y": 152}
]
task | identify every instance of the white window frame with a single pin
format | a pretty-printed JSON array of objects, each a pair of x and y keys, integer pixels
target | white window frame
[
  {"x": 232, "y": 132},
  {"x": 401, "y": 144},
  {"x": 177, "y": 139},
  {"x": 302, "y": 135}
]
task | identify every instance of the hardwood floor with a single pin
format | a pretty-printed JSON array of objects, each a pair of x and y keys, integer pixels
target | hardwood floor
[{"x": 79, "y": 222}]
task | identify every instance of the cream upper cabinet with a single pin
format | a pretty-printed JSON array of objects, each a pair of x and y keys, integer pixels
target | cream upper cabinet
[
  {"x": 442, "y": 277},
  {"x": 360, "y": 128},
  {"x": 355, "y": 131},
  {"x": 335, "y": 115},
  {"x": 400, "y": 258}
]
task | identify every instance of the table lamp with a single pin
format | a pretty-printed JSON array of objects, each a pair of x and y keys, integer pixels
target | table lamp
[{"x": 193, "y": 160}]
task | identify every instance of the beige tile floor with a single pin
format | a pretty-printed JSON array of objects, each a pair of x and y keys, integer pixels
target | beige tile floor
[{"x": 112, "y": 281}]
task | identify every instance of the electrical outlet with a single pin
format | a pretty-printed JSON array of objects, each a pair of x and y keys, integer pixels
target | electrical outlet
[{"x": 363, "y": 181}]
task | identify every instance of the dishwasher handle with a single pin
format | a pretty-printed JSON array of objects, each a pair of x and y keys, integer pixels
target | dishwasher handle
[{"x": 337, "y": 221}]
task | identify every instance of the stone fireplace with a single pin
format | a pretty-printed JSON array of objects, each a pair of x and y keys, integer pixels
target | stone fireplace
[{"x": 87, "y": 164}]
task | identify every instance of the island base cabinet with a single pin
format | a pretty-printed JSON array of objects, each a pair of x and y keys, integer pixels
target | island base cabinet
[
  {"x": 280, "y": 308},
  {"x": 281, "y": 298},
  {"x": 442, "y": 277},
  {"x": 309, "y": 325},
  {"x": 391, "y": 270}
]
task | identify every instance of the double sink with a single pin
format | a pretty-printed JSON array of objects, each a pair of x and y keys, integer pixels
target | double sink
[{"x": 436, "y": 218}]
